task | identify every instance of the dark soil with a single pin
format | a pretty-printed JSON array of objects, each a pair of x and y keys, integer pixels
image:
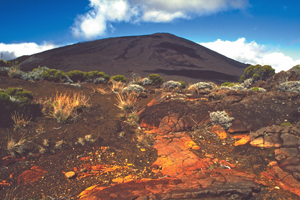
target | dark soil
[{"x": 102, "y": 120}]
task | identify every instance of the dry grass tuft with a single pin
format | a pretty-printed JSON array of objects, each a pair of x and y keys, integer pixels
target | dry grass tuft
[
  {"x": 99, "y": 90},
  {"x": 13, "y": 147},
  {"x": 65, "y": 106},
  {"x": 117, "y": 87},
  {"x": 125, "y": 102},
  {"x": 20, "y": 120}
]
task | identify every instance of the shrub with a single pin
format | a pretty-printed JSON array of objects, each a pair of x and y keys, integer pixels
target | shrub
[
  {"x": 64, "y": 107},
  {"x": 125, "y": 103},
  {"x": 11, "y": 100},
  {"x": 257, "y": 72},
  {"x": 171, "y": 85},
  {"x": 221, "y": 118},
  {"x": 14, "y": 72},
  {"x": 134, "y": 87},
  {"x": 77, "y": 75},
  {"x": 228, "y": 84},
  {"x": 286, "y": 124},
  {"x": 146, "y": 81},
  {"x": 182, "y": 84},
  {"x": 119, "y": 78},
  {"x": 23, "y": 97},
  {"x": 202, "y": 85},
  {"x": 258, "y": 89},
  {"x": 156, "y": 79},
  {"x": 290, "y": 86}
]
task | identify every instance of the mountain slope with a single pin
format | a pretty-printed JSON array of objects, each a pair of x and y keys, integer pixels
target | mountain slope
[{"x": 168, "y": 55}]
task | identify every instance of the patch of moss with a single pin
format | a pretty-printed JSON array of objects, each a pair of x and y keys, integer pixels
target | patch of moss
[
  {"x": 255, "y": 89},
  {"x": 228, "y": 84},
  {"x": 286, "y": 124},
  {"x": 182, "y": 83}
]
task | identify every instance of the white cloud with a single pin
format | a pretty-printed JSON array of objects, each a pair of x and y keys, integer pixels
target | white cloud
[
  {"x": 11, "y": 51},
  {"x": 252, "y": 53},
  {"x": 104, "y": 12}
]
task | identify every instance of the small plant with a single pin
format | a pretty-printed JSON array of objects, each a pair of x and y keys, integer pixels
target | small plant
[
  {"x": 59, "y": 144},
  {"x": 77, "y": 76},
  {"x": 14, "y": 72},
  {"x": 156, "y": 79},
  {"x": 117, "y": 87},
  {"x": 228, "y": 84},
  {"x": 99, "y": 90},
  {"x": 182, "y": 83},
  {"x": 88, "y": 138},
  {"x": 221, "y": 118},
  {"x": 125, "y": 103},
  {"x": 46, "y": 142},
  {"x": 119, "y": 78},
  {"x": 42, "y": 150},
  {"x": 257, "y": 72},
  {"x": 13, "y": 147},
  {"x": 286, "y": 124},
  {"x": 81, "y": 141},
  {"x": 64, "y": 106},
  {"x": 20, "y": 121}
]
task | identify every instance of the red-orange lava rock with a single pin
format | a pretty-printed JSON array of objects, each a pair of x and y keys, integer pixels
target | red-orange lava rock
[
  {"x": 176, "y": 156},
  {"x": 30, "y": 176},
  {"x": 220, "y": 131}
]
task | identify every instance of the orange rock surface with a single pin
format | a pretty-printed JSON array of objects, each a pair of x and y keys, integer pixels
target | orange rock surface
[{"x": 220, "y": 131}]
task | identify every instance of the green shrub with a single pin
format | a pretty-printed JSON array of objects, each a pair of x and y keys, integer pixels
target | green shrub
[
  {"x": 257, "y": 72},
  {"x": 77, "y": 75},
  {"x": 24, "y": 97},
  {"x": 228, "y": 84},
  {"x": 286, "y": 124},
  {"x": 255, "y": 89},
  {"x": 182, "y": 83},
  {"x": 59, "y": 75},
  {"x": 119, "y": 78},
  {"x": 103, "y": 75},
  {"x": 156, "y": 79},
  {"x": 11, "y": 100}
]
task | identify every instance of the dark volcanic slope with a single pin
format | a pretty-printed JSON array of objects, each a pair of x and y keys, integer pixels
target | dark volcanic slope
[{"x": 168, "y": 55}]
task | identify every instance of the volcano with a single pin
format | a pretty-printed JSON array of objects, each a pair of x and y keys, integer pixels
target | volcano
[{"x": 172, "y": 57}]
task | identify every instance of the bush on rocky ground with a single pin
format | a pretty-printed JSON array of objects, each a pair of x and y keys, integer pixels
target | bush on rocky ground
[
  {"x": 156, "y": 79},
  {"x": 134, "y": 88},
  {"x": 13, "y": 100},
  {"x": 146, "y": 81},
  {"x": 171, "y": 85},
  {"x": 118, "y": 78},
  {"x": 290, "y": 86},
  {"x": 221, "y": 118},
  {"x": 202, "y": 85},
  {"x": 257, "y": 72}
]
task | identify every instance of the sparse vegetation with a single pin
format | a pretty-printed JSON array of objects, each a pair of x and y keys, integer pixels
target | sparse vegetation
[
  {"x": 20, "y": 120},
  {"x": 221, "y": 118},
  {"x": 117, "y": 87},
  {"x": 257, "y": 72},
  {"x": 64, "y": 107},
  {"x": 286, "y": 124},
  {"x": 119, "y": 78},
  {"x": 125, "y": 102},
  {"x": 156, "y": 79},
  {"x": 13, "y": 147}
]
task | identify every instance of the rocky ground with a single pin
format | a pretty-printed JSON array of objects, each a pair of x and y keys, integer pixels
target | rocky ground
[{"x": 176, "y": 150}]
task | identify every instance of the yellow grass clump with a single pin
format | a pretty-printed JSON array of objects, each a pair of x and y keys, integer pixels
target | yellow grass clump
[
  {"x": 20, "y": 120},
  {"x": 125, "y": 103},
  {"x": 64, "y": 107},
  {"x": 117, "y": 87}
]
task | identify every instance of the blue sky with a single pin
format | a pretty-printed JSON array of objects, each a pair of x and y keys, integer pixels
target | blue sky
[{"x": 250, "y": 31}]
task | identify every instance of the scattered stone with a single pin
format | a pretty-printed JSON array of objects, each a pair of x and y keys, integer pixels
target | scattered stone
[
  {"x": 70, "y": 174},
  {"x": 30, "y": 176}
]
